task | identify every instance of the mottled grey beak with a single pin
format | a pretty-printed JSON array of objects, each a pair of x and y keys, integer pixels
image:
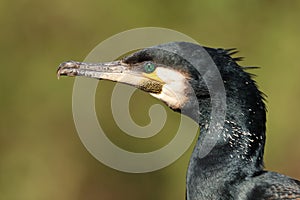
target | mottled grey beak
[{"x": 117, "y": 71}]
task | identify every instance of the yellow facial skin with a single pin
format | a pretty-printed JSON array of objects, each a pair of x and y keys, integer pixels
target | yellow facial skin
[{"x": 153, "y": 76}]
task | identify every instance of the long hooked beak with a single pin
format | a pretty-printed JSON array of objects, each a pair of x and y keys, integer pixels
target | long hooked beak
[{"x": 117, "y": 71}]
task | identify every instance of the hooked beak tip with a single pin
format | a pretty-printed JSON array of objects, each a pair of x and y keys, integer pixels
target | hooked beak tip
[{"x": 68, "y": 68}]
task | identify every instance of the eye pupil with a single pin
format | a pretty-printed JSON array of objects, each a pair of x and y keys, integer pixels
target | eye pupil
[{"x": 149, "y": 67}]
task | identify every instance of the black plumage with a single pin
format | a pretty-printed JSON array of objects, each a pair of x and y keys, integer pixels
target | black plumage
[{"x": 234, "y": 168}]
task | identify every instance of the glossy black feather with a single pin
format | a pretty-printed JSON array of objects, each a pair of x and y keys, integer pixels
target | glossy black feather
[{"x": 234, "y": 167}]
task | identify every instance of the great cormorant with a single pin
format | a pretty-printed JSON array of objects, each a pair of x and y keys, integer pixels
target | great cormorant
[{"x": 233, "y": 169}]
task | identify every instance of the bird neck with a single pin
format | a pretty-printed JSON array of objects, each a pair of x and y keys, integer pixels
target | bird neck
[{"x": 238, "y": 149}]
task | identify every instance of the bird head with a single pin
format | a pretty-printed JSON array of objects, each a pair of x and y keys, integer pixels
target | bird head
[
  {"x": 169, "y": 73},
  {"x": 163, "y": 74}
]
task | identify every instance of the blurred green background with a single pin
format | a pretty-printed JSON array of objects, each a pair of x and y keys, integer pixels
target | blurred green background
[{"x": 41, "y": 156}]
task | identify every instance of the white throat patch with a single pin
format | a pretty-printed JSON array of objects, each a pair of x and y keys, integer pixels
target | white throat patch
[{"x": 174, "y": 91}]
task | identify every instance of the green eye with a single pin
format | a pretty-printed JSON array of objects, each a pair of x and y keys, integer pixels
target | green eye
[{"x": 149, "y": 67}]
